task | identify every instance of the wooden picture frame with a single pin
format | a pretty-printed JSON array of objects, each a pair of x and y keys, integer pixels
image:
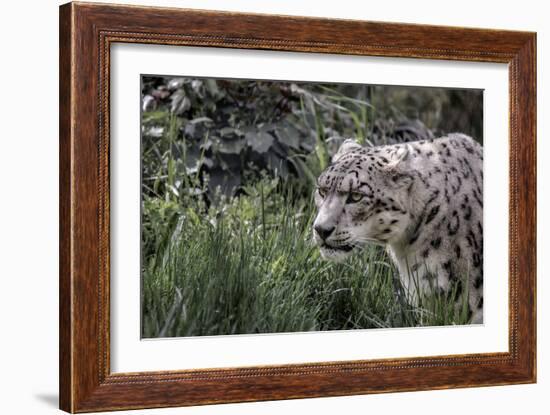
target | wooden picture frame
[{"x": 86, "y": 33}]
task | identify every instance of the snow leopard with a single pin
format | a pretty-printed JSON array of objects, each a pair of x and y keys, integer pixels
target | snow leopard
[{"x": 422, "y": 200}]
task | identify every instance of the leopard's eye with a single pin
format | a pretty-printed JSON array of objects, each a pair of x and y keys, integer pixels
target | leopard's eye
[
  {"x": 354, "y": 197},
  {"x": 322, "y": 192}
]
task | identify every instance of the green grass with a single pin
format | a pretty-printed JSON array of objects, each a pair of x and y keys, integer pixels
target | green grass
[{"x": 249, "y": 266}]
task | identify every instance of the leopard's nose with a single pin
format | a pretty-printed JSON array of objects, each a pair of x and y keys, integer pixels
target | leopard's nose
[{"x": 323, "y": 232}]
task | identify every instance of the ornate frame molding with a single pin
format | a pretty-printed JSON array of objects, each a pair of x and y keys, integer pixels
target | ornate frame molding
[{"x": 86, "y": 34}]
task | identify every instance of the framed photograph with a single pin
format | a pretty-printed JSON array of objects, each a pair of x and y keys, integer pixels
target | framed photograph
[{"x": 258, "y": 207}]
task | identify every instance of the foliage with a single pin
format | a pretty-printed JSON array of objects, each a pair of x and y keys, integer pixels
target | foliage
[
  {"x": 228, "y": 128},
  {"x": 228, "y": 169}
]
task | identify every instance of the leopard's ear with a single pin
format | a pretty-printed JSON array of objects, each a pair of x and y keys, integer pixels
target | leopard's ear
[
  {"x": 397, "y": 168},
  {"x": 398, "y": 157},
  {"x": 347, "y": 146}
]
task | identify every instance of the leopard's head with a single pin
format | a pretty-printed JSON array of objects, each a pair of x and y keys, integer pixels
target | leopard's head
[{"x": 362, "y": 197}]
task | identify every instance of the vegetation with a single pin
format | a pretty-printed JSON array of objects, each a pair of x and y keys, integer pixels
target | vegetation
[{"x": 227, "y": 174}]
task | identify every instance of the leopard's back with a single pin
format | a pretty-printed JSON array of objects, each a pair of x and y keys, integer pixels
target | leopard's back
[{"x": 444, "y": 242}]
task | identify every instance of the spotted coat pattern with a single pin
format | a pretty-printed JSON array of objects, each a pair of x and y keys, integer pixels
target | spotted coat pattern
[{"x": 423, "y": 200}]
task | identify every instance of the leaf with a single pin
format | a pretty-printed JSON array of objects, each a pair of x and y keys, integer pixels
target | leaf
[
  {"x": 259, "y": 141},
  {"x": 266, "y": 127},
  {"x": 155, "y": 132},
  {"x": 289, "y": 135},
  {"x": 180, "y": 102},
  {"x": 189, "y": 129},
  {"x": 148, "y": 103},
  {"x": 230, "y": 146},
  {"x": 196, "y": 84},
  {"x": 206, "y": 144},
  {"x": 212, "y": 87},
  {"x": 230, "y": 131},
  {"x": 201, "y": 119},
  {"x": 174, "y": 190},
  {"x": 176, "y": 83}
]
